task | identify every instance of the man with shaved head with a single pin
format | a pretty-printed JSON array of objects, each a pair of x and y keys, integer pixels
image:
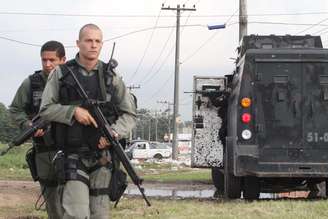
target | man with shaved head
[{"x": 86, "y": 156}]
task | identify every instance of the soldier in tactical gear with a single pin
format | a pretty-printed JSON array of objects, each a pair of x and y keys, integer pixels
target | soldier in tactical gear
[
  {"x": 24, "y": 107},
  {"x": 87, "y": 161}
]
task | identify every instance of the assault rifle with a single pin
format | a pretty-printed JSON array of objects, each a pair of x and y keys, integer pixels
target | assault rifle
[
  {"x": 37, "y": 123},
  {"x": 108, "y": 132}
]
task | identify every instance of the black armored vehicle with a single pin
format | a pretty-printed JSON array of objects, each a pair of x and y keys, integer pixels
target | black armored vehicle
[{"x": 273, "y": 118}]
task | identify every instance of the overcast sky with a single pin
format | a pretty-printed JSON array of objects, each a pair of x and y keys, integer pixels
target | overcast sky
[{"x": 146, "y": 57}]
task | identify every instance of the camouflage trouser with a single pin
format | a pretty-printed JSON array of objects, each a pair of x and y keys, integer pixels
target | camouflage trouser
[
  {"x": 47, "y": 177},
  {"x": 77, "y": 202}
]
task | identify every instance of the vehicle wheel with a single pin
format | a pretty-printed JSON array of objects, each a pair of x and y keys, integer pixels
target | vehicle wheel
[
  {"x": 326, "y": 182},
  {"x": 158, "y": 156},
  {"x": 232, "y": 189},
  {"x": 218, "y": 179},
  {"x": 251, "y": 189}
]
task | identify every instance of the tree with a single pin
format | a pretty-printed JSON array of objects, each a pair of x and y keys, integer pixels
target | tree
[
  {"x": 154, "y": 126},
  {"x": 8, "y": 129}
]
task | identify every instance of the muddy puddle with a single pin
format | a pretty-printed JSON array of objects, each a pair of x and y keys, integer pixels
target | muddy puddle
[{"x": 182, "y": 193}]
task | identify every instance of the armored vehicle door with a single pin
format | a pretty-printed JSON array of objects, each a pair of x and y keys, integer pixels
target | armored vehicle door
[
  {"x": 278, "y": 115},
  {"x": 291, "y": 109},
  {"x": 208, "y": 110},
  {"x": 315, "y": 105}
]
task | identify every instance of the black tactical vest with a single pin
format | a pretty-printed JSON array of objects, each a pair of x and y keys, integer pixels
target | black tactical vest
[
  {"x": 78, "y": 137},
  {"x": 36, "y": 88},
  {"x": 37, "y": 84}
]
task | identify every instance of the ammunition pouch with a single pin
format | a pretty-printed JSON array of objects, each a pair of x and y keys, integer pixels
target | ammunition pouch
[
  {"x": 66, "y": 168},
  {"x": 30, "y": 160},
  {"x": 43, "y": 148},
  {"x": 48, "y": 183},
  {"x": 59, "y": 166},
  {"x": 116, "y": 187},
  {"x": 117, "y": 184}
]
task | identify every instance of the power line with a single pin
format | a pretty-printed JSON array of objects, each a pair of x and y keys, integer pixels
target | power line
[
  {"x": 147, "y": 47},
  {"x": 157, "y": 59},
  {"x": 165, "y": 59},
  {"x": 207, "y": 41},
  {"x": 279, "y": 23},
  {"x": 164, "y": 27},
  {"x": 20, "y": 42},
  {"x": 106, "y": 40},
  {"x": 152, "y": 16},
  {"x": 308, "y": 28},
  {"x": 163, "y": 85}
]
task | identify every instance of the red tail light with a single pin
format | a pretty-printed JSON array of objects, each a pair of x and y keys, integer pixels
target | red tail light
[{"x": 246, "y": 118}]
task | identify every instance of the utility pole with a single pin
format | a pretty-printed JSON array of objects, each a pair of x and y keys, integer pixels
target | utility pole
[
  {"x": 156, "y": 123},
  {"x": 242, "y": 19},
  {"x": 132, "y": 87},
  {"x": 176, "y": 75},
  {"x": 168, "y": 115}
]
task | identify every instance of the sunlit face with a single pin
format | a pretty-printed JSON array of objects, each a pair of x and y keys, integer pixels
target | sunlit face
[
  {"x": 50, "y": 60},
  {"x": 90, "y": 44}
]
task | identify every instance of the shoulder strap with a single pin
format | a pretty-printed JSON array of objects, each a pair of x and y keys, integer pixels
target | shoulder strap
[{"x": 36, "y": 80}]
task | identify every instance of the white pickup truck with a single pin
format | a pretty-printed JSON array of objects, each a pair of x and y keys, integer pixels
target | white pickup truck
[{"x": 147, "y": 150}]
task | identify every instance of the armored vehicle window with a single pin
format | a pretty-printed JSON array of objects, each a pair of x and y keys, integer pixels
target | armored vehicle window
[
  {"x": 323, "y": 79},
  {"x": 295, "y": 46},
  {"x": 267, "y": 46}
]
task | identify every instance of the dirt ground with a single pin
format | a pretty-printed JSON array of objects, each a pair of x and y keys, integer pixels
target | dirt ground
[{"x": 16, "y": 193}]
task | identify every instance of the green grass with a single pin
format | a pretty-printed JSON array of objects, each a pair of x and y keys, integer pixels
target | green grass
[
  {"x": 186, "y": 209},
  {"x": 186, "y": 175},
  {"x": 22, "y": 211},
  {"x": 166, "y": 172},
  {"x": 178, "y": 209},
  {"x": 13, "y": 166}
]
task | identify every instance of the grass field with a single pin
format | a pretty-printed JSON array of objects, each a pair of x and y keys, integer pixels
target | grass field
[
  {"x": 195, "y": 209},
  {"x": 14, "y": 167},
  {"x": 13, "y": 164}
]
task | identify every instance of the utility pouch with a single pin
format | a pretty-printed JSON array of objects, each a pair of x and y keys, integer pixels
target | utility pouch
[
  {"x": 117, "y": 184},
  {"x": 30, "y": 160},
  {"x": 59, "y": 166}
]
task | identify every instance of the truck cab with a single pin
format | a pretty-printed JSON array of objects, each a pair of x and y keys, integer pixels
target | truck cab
[{"x": 148, "y": 150}]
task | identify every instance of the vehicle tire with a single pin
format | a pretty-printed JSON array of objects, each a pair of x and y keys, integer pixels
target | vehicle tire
[
  {"x": 158, "y": 156},
  {"x": 326, "y": 182},
  {"x": 232, "y": 184},
  {"x": 251, "y": 190},
  {"x": 218, "y": 179}
]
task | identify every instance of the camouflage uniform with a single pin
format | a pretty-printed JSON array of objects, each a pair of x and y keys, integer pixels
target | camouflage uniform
[
  {"x": 76, "y": 201},
  {"x": 21, "y": 115}
]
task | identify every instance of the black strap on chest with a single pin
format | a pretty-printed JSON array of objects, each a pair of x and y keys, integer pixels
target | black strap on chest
[
  {"x": 37, "y": 84},
  {"x": 106, "y": 73}
]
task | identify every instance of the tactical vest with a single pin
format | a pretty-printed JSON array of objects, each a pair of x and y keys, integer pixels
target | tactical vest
[
  {"x": 80, "y": 138},
  {"x": 37, "y": 84}
]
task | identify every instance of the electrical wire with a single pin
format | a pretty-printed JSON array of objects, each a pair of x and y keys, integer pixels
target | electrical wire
[
  {"x": 170, "y": 52},
  {"x": 165, "y": 61},
  {"x": 147, "y": 47},
  {"x": 157, "y": 59},
  {"x": 152, "y": 16},
  {"x": 308, "y": 28},
  {"x": 164, "y": 27},
  {"x": 163, "y": 85},
  {"x": 206, "y": 42},
  {"x": 20, "y": 42}
]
